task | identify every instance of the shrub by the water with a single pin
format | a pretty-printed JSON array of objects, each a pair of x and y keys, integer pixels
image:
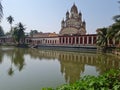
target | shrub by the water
[{"x": 108, "y": 81}]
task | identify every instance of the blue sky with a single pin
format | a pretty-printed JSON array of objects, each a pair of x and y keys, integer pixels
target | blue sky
[{"x": 46, "y": 15}]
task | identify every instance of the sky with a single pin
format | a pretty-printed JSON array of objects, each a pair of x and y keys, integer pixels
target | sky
[{"x": 46, "y": 15}]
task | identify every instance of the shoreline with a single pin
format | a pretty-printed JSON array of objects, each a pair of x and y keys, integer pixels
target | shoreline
[
  {"x": 74, "y": 48},
  {"x": 68, "y": 48}
]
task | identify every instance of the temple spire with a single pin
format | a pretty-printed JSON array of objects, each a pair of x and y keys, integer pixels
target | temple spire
[
  {"x": 67, "y": 15},
  {"x": 74, "y": 9}
]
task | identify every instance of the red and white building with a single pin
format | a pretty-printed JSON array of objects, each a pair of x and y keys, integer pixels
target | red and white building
[
  {"x": 78, "y": 40},
  {"x": 72, "y": 33}
]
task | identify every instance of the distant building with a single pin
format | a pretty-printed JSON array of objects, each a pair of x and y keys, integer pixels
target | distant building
[
  {"x": 45, "y": 34},
  {"x": 73, "y": 23},
  {"x": 6, "y": 39},
  {"x": 43, "y": 39}
]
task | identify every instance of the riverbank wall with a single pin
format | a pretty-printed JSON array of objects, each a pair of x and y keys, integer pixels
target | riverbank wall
[{"x": 68, "y": 48}]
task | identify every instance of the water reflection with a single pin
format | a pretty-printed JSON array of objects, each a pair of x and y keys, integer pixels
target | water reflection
[
  {"x": 1, "y": 57},
  {"x": 16, "y": 57},
  {"x": 72, "y": 64}
]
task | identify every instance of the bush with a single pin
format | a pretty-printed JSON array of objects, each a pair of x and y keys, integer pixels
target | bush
[{"x": 108, "y": 81}]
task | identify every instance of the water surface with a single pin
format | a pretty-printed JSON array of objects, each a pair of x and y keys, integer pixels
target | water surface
[{"x": 33, "y": 69}]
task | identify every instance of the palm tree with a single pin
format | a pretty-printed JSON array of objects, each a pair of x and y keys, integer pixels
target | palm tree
[
  {"x": 102, "y": 40},
  {"x": 1, "y": 31},
  {"x": 115, "y": 31},
  {"x": 112, "y": 32},
  {"x": 10, "y": 19},
  {"x": 1, "y": 11},
  {"x": 15, "y": 34},
  {"x": 21, "y": 33},
  {"x": 116, "y": 27},
  {"x": 18, "y": 33}
]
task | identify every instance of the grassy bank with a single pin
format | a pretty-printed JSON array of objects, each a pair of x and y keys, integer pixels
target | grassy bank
[{"x": 108, "y": 81}]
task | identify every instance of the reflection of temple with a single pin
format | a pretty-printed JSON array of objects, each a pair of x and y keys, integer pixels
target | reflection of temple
[
  {"x": 73, "y": 63},
  {"x": 43, "y": 54},
  {"x": 71, "y": 70}
]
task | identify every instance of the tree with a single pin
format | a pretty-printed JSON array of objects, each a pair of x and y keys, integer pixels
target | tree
[
  {"x": 1, "y": 31},
  {"x": 15, "y": 34},
  {"x": 21, "y": 34},
  {"x": 114, "y": 29},
  {"x": 18, "y": 33},
  {"x": 1, "y": 11},
  {"x": 103, "y": 38},
  {"x": 114, "y": 32},
  {"x": 33, "y": 32},
  {"x": 110, "y": 33},
  {"x": 10, "y": 19}
]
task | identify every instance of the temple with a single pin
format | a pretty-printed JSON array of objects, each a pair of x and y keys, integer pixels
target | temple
[{"x": 73, "y": 23}]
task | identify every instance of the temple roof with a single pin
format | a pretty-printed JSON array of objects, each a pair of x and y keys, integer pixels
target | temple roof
[{"x": 74, "y": 9}]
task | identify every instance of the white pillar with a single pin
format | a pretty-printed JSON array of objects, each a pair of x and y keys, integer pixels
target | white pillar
[
  {"x": 61, "y": 40},
  {"x": 68, "y": 40},
  {"x": 79, "y": 40},
  {"x": 71, "y": 40},
  {"x": 87, "y": 39},
  {"x": 83, "y": 39},
  {"x": 64, "y": 40},
  {"x": 75, "y": 40}
]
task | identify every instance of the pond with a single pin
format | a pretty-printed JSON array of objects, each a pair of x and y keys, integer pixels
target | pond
[{"x": 33, "y": 69}]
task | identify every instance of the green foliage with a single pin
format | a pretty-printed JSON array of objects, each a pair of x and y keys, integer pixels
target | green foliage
[
  {"x": 109, "y": 81},
  {"x": 1, "y": 31},
  {"x": 102, "y": 37},
  {"x": 33, "y": 32},
  {"x": 116, "y": 27},
  {"x": 110, "y": 33},
  {"x": 10, "y": 19},
  {"x": 18, "y": 33},
  {"x": 114, "y": 31},
  {"x": 47, "y": 89}
]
